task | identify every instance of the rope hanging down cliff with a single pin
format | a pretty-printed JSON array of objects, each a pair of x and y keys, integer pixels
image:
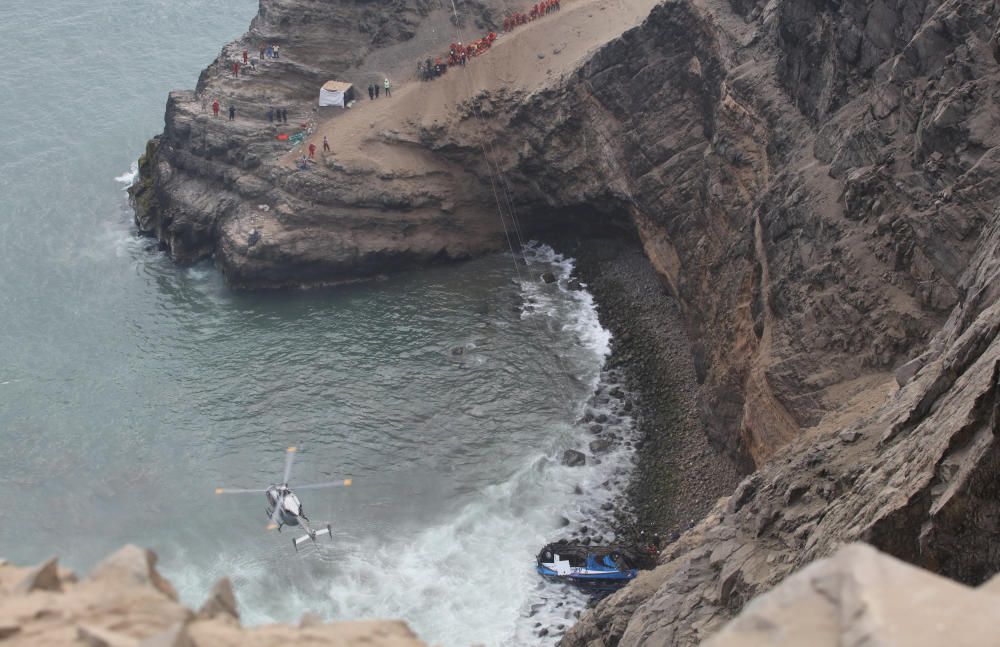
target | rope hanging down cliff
[{"x": 497, "y": 177}]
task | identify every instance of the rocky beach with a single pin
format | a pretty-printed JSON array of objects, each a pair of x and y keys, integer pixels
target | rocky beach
[{"x": 787, "y": 213}]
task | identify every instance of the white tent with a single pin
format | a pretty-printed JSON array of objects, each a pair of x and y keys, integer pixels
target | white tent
[{"x": 335, "y": 93}]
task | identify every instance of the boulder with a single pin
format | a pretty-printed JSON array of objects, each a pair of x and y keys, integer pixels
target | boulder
[
  {"x": 860, "y": 596},
  {"x": 600, "y": 446},
  {"x": 574, "y": 458},
  {"x": 132, "y": 566},
  {"x": 41, "y": 578}
]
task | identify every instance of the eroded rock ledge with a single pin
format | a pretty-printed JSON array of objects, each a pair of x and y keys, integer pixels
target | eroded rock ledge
[{"x": 125, "y": 602}]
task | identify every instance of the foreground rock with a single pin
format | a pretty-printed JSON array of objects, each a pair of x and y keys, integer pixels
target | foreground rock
[
  {"x": 125, "y": 602},
  {"x": 862, "y": 597}
]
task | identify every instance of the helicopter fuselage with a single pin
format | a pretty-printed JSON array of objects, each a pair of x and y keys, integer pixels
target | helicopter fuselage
[{"x": 289, "y": 506}]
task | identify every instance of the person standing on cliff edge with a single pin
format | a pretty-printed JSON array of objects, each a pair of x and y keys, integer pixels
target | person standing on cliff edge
[
  {"x": 312, "y": 151},
  {"x": 246, "y": 57},
  {"x": 326, "y": 144},
  {"x": 387, "y": 87},
  {"x": 232, "y": 112},
  {"x": 371, "y": 91},
  {"x": 215, "y": 108},
  {"x": 270, "y": 114}
]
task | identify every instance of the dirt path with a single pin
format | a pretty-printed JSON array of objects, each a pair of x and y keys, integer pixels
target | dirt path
[{"x": 522, "y": 60}]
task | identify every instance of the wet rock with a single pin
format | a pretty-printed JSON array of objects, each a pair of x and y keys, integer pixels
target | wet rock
[
  {"x": 458, "y": 351},
  {"x": 573, "y": 458},
  {"x": 596, "y": 429},
  {"x": 600, "y": 446},
  {"x": 549, "y": 277}
]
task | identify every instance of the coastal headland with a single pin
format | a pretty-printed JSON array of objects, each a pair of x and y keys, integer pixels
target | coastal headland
[{"x": 805, "y": 192}]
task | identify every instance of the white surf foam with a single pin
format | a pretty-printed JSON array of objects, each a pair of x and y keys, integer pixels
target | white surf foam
[
  {"x": 471, "y": 578},
  {"x": 128, "y": 178}
]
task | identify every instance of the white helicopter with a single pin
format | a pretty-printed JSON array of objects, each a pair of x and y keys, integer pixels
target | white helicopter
[{"x": 284, "y": 508}]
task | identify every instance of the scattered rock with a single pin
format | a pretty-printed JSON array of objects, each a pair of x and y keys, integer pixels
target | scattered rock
[
  {"x": 549, "y": 277},
  {"x": 573, "y": 458}
]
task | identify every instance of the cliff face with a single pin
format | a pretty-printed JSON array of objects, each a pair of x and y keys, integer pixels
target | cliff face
[
  {"x": 815, "y": 182},
  {"x": 812, "y": 210}
]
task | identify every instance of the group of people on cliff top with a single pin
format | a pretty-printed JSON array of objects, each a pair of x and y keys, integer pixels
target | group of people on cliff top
[
  {"x": 537, "y": 11},
  {"x": 374, "y": 89},
  {"x": 459, "y": 54}
]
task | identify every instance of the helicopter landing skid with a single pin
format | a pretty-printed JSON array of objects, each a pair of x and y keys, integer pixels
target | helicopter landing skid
[{"x": 305, "y": 538}]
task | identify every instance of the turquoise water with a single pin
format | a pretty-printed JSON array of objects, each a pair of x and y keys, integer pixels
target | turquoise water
[{"x": 130, "y": 388}]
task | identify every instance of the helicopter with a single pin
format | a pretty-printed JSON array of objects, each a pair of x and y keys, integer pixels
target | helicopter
[{"x": 284, "y": 507}]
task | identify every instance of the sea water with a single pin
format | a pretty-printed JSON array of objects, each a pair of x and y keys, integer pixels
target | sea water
[{"x": 130, "y": 388}]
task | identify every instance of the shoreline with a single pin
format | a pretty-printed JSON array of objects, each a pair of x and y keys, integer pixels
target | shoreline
[{"x": 678, "y": 476}]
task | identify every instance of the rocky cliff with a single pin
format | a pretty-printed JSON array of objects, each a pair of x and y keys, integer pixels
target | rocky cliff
[
  {"x": 125, "y": 602},
  {"x": 814, "y": 181}
]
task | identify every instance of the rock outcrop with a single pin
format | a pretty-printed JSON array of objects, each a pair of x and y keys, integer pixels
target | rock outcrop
[
  {"x": 125, "y": 602},
  {"x": 861, "y": 597}
]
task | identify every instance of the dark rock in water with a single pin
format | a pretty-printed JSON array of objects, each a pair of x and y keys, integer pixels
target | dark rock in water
[
  {"x": 458, "y": 350},
  {"x": 549, "y": 277},
  {"x": 543, "y": 632},
  {"x": 577, "y": 490},
  {"x": 602, "y": 418},
  {"x": 574, "y": 285},
  {"x": 587, "y": 417},
  {"x": 573, "y": 458},
  {"x": 596, "y": 429},
  {"x": 600, "y": 446},
  {"x": 563, "y": 522}
]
